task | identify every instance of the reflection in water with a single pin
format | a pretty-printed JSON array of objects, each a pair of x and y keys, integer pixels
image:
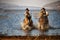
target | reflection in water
[{"x": 11, "y": 24}]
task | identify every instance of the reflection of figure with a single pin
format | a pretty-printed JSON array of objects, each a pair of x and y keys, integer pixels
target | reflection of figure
[
  {"x": 27, "y": 22},
  {"x": 43, "y": 20}
]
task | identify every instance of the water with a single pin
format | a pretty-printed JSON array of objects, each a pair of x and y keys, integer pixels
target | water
[{"x": 10, "y": 22}]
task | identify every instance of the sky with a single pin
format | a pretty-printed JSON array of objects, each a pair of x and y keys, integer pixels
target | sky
[{"x": 34, "y": 3}]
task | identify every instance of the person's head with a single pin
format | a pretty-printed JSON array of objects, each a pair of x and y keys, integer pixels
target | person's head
[
  {"x": 27, "y": 10},
  {"x": 43, "y": 9}
]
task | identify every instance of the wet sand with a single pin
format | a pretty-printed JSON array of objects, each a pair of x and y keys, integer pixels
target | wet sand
[{"x": 42, "y": 37}]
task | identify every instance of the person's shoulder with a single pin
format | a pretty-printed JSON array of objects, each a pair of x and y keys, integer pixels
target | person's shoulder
[{"x": 47, "y": 13}]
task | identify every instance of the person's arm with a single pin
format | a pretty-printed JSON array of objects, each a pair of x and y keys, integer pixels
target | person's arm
[
  {"x": 47, "y": 14},
  {"x": 27, "y": 21},
  {"x": 25, "y": 13},
  {"x": 41, "y": 14}
]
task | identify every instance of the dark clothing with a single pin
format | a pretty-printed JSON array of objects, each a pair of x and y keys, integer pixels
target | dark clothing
[
  {"x": 43, "y": 19},
  {"x": 28, "y": 16}
]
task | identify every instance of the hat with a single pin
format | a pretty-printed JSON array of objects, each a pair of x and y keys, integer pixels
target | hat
[
  {"x": 43, "y": 8},
  {"x": 27, "y": 9}
]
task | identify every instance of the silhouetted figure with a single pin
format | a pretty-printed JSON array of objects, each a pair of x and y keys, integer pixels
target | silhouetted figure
[
  {"x": 43, "y": 20},
  {"x": 27, "y": 22},
  {"x": 27, "y": 14}
]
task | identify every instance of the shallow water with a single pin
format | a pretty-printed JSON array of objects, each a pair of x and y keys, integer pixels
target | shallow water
[{"x": 10, "y": 22}]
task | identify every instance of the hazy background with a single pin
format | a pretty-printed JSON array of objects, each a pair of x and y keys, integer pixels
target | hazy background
[{"x": 16, "y": 4}]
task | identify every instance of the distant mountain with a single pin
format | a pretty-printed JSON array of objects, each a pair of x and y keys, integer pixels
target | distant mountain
[
  {"x": 54, "y": 5},
  {"x": 16, "y": 7}
]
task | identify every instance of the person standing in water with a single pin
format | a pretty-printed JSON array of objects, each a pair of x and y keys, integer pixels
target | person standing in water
[
  {"x": 27, "y": 14},
  {"x": 43, "y": 20}
]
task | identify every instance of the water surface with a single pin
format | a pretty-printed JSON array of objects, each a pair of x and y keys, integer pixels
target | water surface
[{"x": 10, "y": 22}]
